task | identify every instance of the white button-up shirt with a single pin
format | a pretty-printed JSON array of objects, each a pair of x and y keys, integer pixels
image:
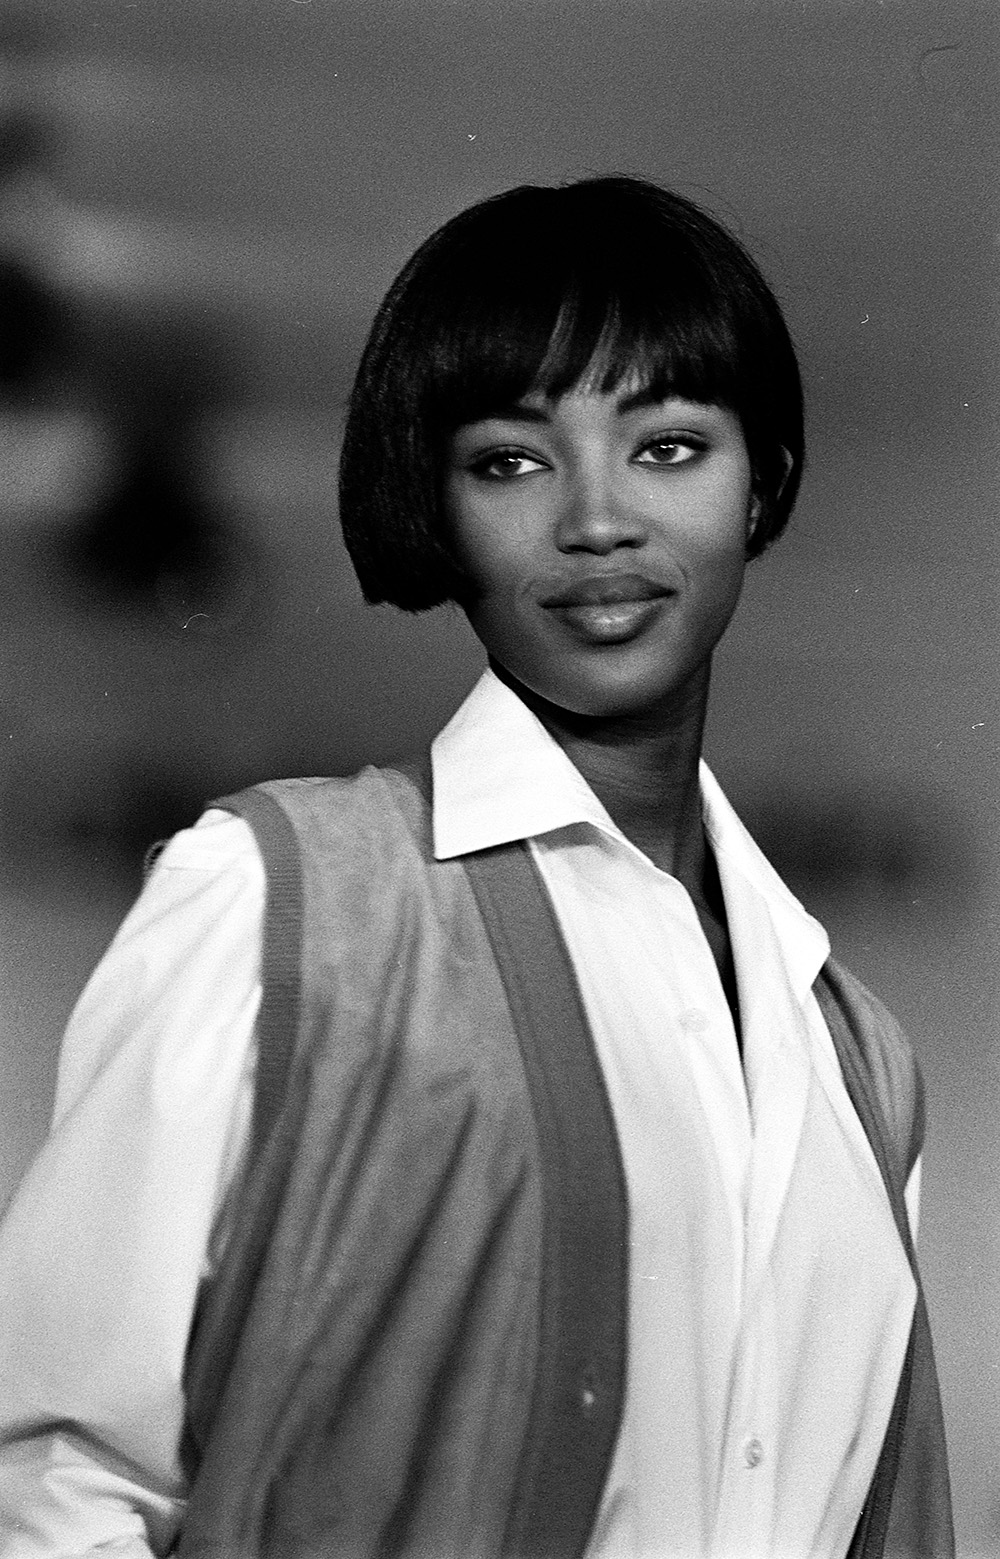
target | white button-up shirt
[{"x": 770, "y": 1300}]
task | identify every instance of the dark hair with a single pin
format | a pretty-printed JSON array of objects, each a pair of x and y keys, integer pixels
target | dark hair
[{"x": 533, "y": 289}]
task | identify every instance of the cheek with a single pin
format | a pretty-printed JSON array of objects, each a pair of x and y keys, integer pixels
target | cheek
[
  {"x": 712, "y": 540},
  {"x": 495, "y": 585},
  {"x": 494, "y": 551},
  {"x": 499, "y": 607},
  {"x": 723, "y": 562},
  {"x": 477, "y": 539},
  {"x": 496, "y": 572},
  {"x": 494, "y": 616}
]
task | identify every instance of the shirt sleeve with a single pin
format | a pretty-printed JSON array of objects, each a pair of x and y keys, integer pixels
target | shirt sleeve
[{"x": 106, "y": 1240}]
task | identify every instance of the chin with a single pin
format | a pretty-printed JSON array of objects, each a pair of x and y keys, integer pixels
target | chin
[{"x": 617, "y": 692}]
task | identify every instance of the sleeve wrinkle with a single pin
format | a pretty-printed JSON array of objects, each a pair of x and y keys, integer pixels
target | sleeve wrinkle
[{"x": 107, "y": 1237}]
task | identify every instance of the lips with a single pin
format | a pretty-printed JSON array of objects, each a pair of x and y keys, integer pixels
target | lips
[
  {"x": 609, "y": 609},
  {"x": 607, "y": 590}
]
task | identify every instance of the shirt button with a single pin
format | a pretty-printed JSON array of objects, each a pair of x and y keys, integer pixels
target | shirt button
[
  {"x": 753, "y": 1452},
  {"x": 693, "y": 1020}
]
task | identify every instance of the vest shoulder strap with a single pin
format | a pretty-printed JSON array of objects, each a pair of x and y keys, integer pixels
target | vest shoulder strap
[{"x": 579, "y": 1389}]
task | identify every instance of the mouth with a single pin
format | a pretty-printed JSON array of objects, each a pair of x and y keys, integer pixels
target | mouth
[
  {"x": 609, "y": 608},
  {"x": 607, "y": 590}
]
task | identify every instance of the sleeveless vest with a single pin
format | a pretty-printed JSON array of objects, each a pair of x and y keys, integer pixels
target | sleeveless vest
[{"x": 415, "y": 1343}]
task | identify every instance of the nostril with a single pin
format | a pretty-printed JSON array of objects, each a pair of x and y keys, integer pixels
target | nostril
[
  {"x": 595, "y": 527},
  {"x": 599, "y": 542},
  {"x": 596, "y": 517}
]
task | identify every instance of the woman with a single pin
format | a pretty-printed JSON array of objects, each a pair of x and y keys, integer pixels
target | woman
[{"x": 524, "y": 1178}]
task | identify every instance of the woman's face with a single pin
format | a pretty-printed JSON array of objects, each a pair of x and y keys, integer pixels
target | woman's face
[{"x": 605, "y": 535}]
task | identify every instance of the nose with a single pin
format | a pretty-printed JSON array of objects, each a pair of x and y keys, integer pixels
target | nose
[{"x": 595, "y": 516}]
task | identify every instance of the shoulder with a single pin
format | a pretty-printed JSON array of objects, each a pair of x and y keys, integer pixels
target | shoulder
[
  {"x": 173, "y": 999},
  {"x": 342, "y": 845},
  {"x": 864, "y": 1028},
  {"x": 360, "y": 808},
  {"x": 219, "y": 842}
]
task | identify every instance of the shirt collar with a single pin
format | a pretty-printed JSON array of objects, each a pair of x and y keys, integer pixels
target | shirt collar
[
  {"x": 499, "y": 776},
  {"x": 742, "y": 864}
]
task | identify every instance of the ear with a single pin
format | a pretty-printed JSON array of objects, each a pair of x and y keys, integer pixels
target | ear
[
  {"x": 756, "y": 506},
  {"x": 787, "y": 464},
  {"x": 755, "y": 509}
]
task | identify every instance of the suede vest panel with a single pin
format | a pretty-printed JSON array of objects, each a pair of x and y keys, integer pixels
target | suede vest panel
[
  {"x": 362, "y": 1373},
  {"x": 363, "y": 1376},
  {"x": 908, "y": 1514}
]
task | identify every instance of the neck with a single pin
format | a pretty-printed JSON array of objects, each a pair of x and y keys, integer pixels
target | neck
[{"x": 644, "y": 770}]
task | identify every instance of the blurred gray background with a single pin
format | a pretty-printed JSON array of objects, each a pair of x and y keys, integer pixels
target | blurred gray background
[{"x": 201, "y": 202}]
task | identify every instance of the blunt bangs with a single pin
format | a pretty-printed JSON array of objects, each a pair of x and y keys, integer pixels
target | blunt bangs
[
  {"x": 604, "y": 283},
  {"x": 599, "y": 336}
]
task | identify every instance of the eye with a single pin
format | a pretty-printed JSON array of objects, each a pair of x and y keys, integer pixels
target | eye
[
  {"x": 501, "y": 465},
  {"x": 674, "y": 449}
]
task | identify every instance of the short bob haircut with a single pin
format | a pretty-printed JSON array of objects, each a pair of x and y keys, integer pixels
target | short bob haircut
[{"x": 541, "y": 289}]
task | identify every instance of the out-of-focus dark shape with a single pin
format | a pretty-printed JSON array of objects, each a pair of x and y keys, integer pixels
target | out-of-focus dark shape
[
  {"x": 154, "y": 524},
  {"x": 153, "y": 537},
  {"x": 858, "y": 845},
  {"x": 29, "y": 315},
  {"x": 25, "y": 137},
  {"x": 157, "y": 536},
  {"x": 30, "y": 311},
  {"x": 98, "y": 829}
]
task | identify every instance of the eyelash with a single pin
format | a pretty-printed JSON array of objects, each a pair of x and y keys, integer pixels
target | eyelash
[
  {"x": 480, "y": 466},
  {"x": 692, "y": 443}
]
